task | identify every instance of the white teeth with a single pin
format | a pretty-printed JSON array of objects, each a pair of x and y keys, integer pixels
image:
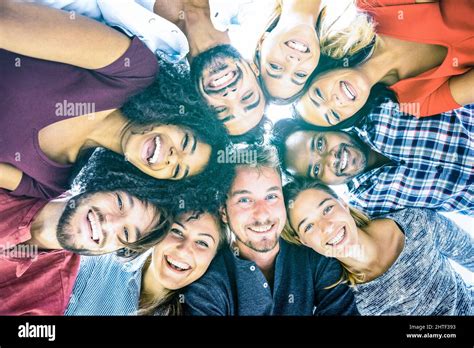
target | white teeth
[
  {"x": 337, "y": 239},
  {"x": 222, "y": 80},
  {"x": 347, "y": 91},
  {"x": 156, "y": 154},
  {"x": 344, "y": 160},
  {"x": 298, "y": 46},
  {"x": 180, "y": 266},
  {"x": 264, "y": 228},
  {"x": 95, "y": 226}
]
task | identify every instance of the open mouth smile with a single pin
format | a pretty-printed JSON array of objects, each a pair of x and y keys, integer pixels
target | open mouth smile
[
  {"x": 297, "y": 46},
  {"x": 338, "y": 238},
  {"x": 176, "y": 265}
]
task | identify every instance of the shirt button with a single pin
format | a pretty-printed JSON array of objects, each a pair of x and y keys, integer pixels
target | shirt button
[
  {"x": 252, "y": 268},
  {"x": 265, "y": 285}
]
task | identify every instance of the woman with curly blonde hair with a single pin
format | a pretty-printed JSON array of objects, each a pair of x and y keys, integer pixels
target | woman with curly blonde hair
[{"x": 298, "y": 33}]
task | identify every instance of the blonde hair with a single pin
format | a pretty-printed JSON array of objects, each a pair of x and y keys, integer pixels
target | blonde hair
[
  {"x": 337, "y": 39},
  {"x": 291, "y": 192}
]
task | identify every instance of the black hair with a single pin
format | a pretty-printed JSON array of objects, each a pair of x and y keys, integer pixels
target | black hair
[
  {"x": 170, "y": 100},
  {"x": 256, "y": 135}
]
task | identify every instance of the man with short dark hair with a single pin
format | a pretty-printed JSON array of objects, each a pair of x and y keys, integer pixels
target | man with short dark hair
[
  {"x": 391, "y": 161},
  {"x": 226, "y": 81},
  {"x": 263, "y": 274},
  {"x": 40, "y": 243}
]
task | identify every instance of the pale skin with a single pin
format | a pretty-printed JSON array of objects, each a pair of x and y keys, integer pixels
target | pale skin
[
  {"x": 316, "y": 216},
  {"x": 393, "y": 60}
]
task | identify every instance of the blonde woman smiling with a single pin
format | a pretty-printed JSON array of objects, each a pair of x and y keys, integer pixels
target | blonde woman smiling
[{"x": 297, "y": 34}]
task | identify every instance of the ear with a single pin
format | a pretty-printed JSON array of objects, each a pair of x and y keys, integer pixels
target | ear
[
  {"x": 254, "y": 68},
  {"x": 223, "y": 213}
]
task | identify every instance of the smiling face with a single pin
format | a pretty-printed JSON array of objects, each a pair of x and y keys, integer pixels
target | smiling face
[
  {"x": 229, "y": 85},
  {"x": 323, "y": 223},
  {"x": 332, "y": 157},
  {"x": 166, "y": 151},
  {"x": 255, "y": 210},
  {"x": 288, "y": 57},
  {"x": 93, "y": 224},
  {"x": 334, "y": 97},
  {"x": 184, "y": 255}
]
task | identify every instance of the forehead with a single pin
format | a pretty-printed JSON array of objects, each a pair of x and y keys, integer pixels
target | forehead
[
  {"x": 204, "y": 223},
  {"x": 306, "y": 202},
  {"x": 255, "y": 179}
]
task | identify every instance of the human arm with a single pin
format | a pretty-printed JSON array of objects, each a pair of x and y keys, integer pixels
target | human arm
[
  {"x": 329, "y": 299},
  {"x": 462, "y": 88},
  {"x": 156, "y": 32},
  {"x": 49, "y": 34},
  {"x": 10, "y": 176},
  {"x": 450, "y": 239}
]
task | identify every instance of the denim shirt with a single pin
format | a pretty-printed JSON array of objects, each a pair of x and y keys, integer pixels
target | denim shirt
[
  {"x": 106, "y": 286},
  {"x": 233, "y": 286}
]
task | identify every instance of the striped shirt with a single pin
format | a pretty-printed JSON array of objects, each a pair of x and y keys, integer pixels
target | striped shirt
[
  {"x": 105, "y": 286},
  {"x": 432, "y": 162},
  {"x": 422, "y": 281}
]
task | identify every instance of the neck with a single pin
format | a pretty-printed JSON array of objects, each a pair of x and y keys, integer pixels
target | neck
[
  {"x": 200, "y": 31},
  {"x": 264, "y": 261},
  {"x": 108, "y": 133},
  {"x": 364, "y": 259},
  {"x": 382, "y": 65},
  {"x": 44, "y": 227},
  {"x": 152, "y": 288}
]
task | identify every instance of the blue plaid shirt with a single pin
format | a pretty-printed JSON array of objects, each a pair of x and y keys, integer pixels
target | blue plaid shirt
[{"x": 432, "y": 162}]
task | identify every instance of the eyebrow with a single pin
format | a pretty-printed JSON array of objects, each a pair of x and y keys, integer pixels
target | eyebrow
[
  {"x": 227, "y": 118},
  {"x": 179, "y": 223},
  {"x": 310, "y": 166},
  {"x": 280, "y": 76},
  {"x": 208, "y": 235},
  {"x": 319, "y": 206},
  {"x": 138, "y": 234},
  {"x": 254, "y": 105},
  {"x": 193, "y": 149},
  {"x": 240, "y": 192},
  {"x": 130, "y": 200},
  {"x": 274, "y": 188}
]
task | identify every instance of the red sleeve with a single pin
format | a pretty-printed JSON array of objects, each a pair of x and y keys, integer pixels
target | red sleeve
[
  {"x": 31, "y": 188},
  {"x": 367, "y": 4},
  {"x": 439, "y": 101}
]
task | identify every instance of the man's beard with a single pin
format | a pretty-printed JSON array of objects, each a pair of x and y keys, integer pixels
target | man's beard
[
  {"x": 363, "y": 148},
  {"x": 212, "y": 60},
  {"x": 65, "y": 232},
  {"x": 264, "y": 245}
]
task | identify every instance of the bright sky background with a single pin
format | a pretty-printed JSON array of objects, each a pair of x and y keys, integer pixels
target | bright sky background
[{"x": 253, "y": 17}]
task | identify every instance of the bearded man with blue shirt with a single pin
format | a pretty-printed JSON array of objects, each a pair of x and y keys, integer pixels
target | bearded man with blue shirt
[{"x": 262, "y": 274}]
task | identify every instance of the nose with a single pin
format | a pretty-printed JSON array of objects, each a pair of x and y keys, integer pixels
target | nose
[
  {"x": 172, "y": 157},
  {"x": 293, "y": 58},
  {"x": 261, "y": 211},
  {"x": 230, "y": 93},
  {"x": 183, "y": 249}
]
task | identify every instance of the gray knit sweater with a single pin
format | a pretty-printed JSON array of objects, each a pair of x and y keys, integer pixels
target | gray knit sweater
[{"x": 422, "y": 281}]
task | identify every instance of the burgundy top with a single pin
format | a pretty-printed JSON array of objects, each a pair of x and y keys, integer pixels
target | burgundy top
[
  {"x": 31, "y": 283},
  {"x": 35, "y": 93}
]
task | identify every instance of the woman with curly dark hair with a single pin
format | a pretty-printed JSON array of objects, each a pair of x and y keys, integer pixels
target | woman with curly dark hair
[{"x": 62, "y": 98}]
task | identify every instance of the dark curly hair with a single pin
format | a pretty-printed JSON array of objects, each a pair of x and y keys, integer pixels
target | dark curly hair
[{"x": 172, "y": 100}]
